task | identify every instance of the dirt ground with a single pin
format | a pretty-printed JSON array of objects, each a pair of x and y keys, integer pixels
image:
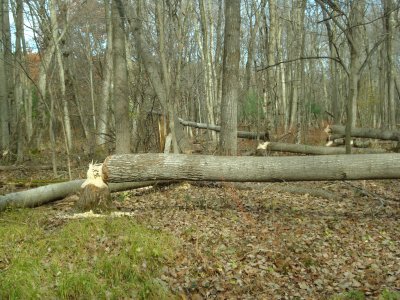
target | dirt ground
[{"x": 304, "y": 240}]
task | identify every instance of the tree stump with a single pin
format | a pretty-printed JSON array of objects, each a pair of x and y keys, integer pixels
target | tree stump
[{"x": 95, "y": 194}]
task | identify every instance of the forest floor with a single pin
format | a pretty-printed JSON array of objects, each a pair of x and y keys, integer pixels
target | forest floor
[{"x": 259, "y": 241}]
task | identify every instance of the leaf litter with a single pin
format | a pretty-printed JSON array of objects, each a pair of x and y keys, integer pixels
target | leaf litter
[
  {"x": 259, "y": 241},
  {"x": 264, "y": 243}
]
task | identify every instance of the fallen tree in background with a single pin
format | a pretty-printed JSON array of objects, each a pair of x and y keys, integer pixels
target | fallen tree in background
[
  {"x": 358, "y": 143},
  {"x": 45, "y": 194},
  {"x": 240, "y": 134},
  {"x": 141, "y": 167},
  {"x": 316, "y": 150},
  {"x": 372, "y": 133}
]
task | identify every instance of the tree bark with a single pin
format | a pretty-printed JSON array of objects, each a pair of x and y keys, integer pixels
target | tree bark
[
  {"x": 122, "y": 124},
  {"x": 371, "y": 133},
  {"x": 102, "y": 122},
  {"x": 138, "y": 167},
  {"x": 56, "y": 38},
  {"x": 332, "y": 66},
  {"x": 205, "y": 48},
  {"x": 230, "y": 81},
  {"x": 390, "y": 24},
  {"x": 316, "y": 150},
  {"x": 240, "y": 134},
  {"x": 4, "y": 109}
]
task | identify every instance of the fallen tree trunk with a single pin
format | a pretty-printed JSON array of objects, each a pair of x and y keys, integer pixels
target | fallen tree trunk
[
  {"x": 22, "y": 167},
  {"x": 371, "y": 133},
  {"x": 138, "y": 167},
  {"x": 45, "y": 194},
  {"x": 354, "y": 142},
  {"x": 316, "y": 150},
  {"x": 240, "y": 134}
]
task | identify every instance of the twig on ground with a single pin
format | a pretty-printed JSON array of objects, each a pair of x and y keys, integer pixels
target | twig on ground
[{"x": 364, "y": 192}]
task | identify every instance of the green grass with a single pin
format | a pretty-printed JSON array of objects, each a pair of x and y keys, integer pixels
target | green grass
[
  {"x": 96, "y": 258},
  {"x": 358, "y": 295}
]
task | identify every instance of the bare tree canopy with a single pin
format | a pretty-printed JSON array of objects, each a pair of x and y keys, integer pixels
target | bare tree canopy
[{"x": 87, "y": 78}]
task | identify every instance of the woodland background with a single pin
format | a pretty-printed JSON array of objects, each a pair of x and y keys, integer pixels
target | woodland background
[
  {"x": 82, "y": 79},
  {"x": 102, "y": 76}
]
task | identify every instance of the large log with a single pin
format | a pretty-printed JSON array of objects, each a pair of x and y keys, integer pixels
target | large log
[
  {"x": 316, "y": 150},
  {"x": 240, "y": 134},
  {"x": 138, "y": 167},
  {"x": 45, "y": 194},
  {"x": 371, "y": 133}
]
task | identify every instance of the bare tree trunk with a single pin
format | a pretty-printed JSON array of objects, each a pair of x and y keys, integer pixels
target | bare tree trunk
[
  {"x": 389, "y": 8},
  {"x": 55, "y": 39},
  {"x": 4, "y": 108},
  {"x": 282, "y": 80},
  {"x": 355, "y": 42},
  {"x": 332, "y": 68},
  {"x": 156, "y": 77},
  {"x": 205, "y": 49},
  {"x": 19, "y": 81},
  {"x": 122, "y": 124},
  {"x": 52, "y": 137},
  {"x": 230, "y": 83},
  {"x": 272, "y": 77},
  {"x": 217, "y": 62},
  {"x": 5, "y": 62},
  {"x": 251, "y": 47},
  {"x": 91, "y": 83},
  {"x": 102, "y": 121},
  {"x": 165, "y": 74}
]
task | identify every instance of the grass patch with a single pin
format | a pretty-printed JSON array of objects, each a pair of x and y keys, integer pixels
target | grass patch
[
  {"x": 389, "y": 295},
  {"x": 358, "y": 295},
  {"x": 95, "y": 258}
]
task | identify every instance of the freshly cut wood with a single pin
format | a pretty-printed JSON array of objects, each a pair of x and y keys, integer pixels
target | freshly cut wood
[
  {"x": 371, "y": 133},
  {"x": 240, "y": 134},
  {"x": 95, "y": 194},
  {"x": 138, "y": 167},
  {"x": 45, "y": 194},
  {"x": 307, "y": 149}
]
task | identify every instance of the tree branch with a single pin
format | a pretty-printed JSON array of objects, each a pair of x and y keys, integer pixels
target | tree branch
[{"x": 301, "y": 58}]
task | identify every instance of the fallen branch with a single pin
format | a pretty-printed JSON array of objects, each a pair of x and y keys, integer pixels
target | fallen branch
[
  {"x": 316, "y": 150},
  {"x": 240, "y": 134}
]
